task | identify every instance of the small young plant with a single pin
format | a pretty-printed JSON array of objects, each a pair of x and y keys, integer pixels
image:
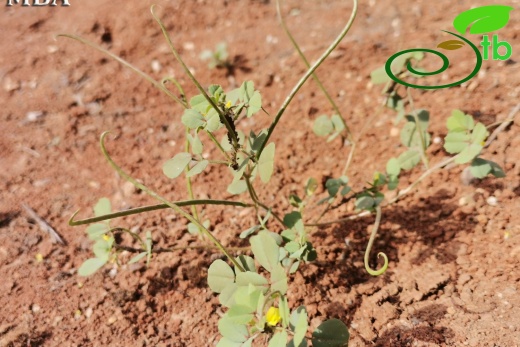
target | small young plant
[{"x": 219, "y": 58}]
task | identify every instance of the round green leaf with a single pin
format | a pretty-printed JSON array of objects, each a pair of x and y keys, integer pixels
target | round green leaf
[
  {"x": 192, "y": 119},
  {"x": 90, "y": 266},
  {"x": 174, "y": 167},
  {"x": 265, "y": 250},
  {"x": 331, "y": 333},
  {"x": 198, "y": 168},
  {"x": 213, "y": 123},
  {"x": 102, "y": 207},
  {"x": 255, "y": 104},
  {"x": 237, "y": 187},
  {"x": 97, "y": 230},
  {"x": 278, "y": 279},
  {"x": 455, "y": 142},
  {"x": 279, "y": 339},
  {"x": 459, "y": 121},
  {"x": 409, "y": 159},
  {"x": 257, "y": 280},
  {"x": 232, "y": 331},
  {"x": 480, "y": 168},
  {"x": 266, "y": 162},
  {"x": 299, "y": 324},
  {"x": 468, "y": 154},
  {"x": 220, "y": 275},
  {"x": 323, "y": 126},
  {"x": 393, "y": 167},
  {"x": 479, "y": 134}
]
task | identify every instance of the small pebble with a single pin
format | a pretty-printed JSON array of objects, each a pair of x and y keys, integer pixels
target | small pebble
[
  {"x": 112, "y": 320},
  {"x": 33, "y": 116},
  {"x": 35, "y": 308},
  {"x": 88, "y": 312},
  {"x": 156, "y": 65},
  {"x": 492, "y": 201}
]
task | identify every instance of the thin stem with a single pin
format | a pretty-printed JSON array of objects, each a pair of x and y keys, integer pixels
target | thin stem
[
  {"x": 173, "y": 206},
  {"x": 369, "y": 248},
  {"x": 179, "y": 88},
  {"x": 401, "y": 194},
  {"x": 147, "y": 77},
  {"x": 138, "y": 210},
  {"x": 257, "y": 201},
  {"x": 173, "y": 249},
  {"x": 308, "y": 65},
  {"x": 418, "y": 128},
  {"x": 194, "y": 80},
  {"x": 219, "y": 146},
  {"x": 188, "y": 180},
  {"x": 304, "y": 78}
]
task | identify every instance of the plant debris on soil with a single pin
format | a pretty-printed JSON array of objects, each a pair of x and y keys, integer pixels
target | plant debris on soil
[{"x": 453, "y": 245}]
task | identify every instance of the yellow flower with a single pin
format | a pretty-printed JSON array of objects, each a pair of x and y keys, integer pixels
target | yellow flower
[
  {"x": 106, "y": 237},
  {"x": 228, "y": 104},
  {"x": 273, "y": 316}
]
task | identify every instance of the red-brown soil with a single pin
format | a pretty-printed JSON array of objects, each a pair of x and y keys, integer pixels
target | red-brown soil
[{"x": 454, "y": 277}]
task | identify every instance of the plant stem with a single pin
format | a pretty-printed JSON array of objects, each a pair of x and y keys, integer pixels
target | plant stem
[
  {"x": 188, "y": 180},
  {"x": 173, "y": 249},
  {"x": 304, "y": 78},
  {"x": 401, "y": 194},
  {"x": 147, "y": 77},
  {"x": 175, "y": 207},
  {"x": 194, "y": 80},
  {"x": 308, "y": 65},
  {"x": 369, "y": 247},
  {"x": 418, "y": 129},
  {"x": 138, "y": 210}
]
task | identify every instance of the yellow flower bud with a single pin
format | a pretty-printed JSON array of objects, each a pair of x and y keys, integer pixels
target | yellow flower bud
[
  {"x": 228, "y": 104},
  {"x": 106, "y": 237},
  {"x": 272, "y": 316}
]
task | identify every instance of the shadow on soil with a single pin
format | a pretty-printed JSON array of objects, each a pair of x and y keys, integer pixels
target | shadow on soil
[{"x": 425, "y": 330}]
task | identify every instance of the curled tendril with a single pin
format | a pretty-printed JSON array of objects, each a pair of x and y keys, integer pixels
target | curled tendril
[
  {"x": 369, "y": 248},
  {"x": 445, "y": 65}
]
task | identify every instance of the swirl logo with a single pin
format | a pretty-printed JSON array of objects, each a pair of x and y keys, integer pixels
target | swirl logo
[{"x": 479, "y": 20}]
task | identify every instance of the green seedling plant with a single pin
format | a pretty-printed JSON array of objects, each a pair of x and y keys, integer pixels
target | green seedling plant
[
  {"x": 253, "y": 286},
  {"x": 219, "y": 58}
]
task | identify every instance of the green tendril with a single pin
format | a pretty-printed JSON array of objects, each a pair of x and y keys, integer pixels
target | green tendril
[
  {"x": 369, "y": 248},
  {"x": 170, "y": 204}
]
